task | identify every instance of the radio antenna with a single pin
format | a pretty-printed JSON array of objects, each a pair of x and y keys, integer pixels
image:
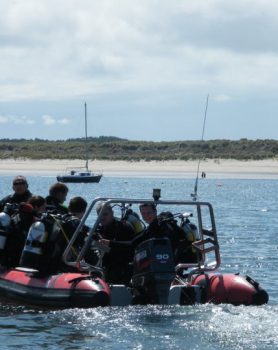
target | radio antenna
[{"x": 194, "y": 194}]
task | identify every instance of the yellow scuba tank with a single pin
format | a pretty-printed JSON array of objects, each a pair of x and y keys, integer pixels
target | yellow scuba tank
[
  {"x": 190, "y": 230},
  {"x": 134, "y": 221}
]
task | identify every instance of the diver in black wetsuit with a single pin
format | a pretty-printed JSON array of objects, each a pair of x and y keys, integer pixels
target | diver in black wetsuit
[
  {"x": 56, "y": 245},
  {"x": 115, "y": 262},
  {"x": 21, "y": 192},
  {"x": 157, "y": 229},
  {"x": 43, "y": 250},
  {"x": 57, "y": 196}
]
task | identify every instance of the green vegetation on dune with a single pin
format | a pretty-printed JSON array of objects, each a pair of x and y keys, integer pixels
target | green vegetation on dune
[{"x": 113, "y": 148}]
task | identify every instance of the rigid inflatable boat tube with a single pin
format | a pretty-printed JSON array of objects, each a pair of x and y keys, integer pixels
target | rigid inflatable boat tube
[{"x": 231, "y": 289}]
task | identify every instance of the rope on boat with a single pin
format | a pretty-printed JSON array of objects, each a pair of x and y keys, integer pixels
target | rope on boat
[{"x": 64, "y": 233}]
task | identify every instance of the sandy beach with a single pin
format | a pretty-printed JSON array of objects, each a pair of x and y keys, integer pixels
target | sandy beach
[{"x": 183, "y": 169}]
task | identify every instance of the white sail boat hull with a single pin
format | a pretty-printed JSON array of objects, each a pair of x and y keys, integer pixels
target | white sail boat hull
[{"x": 80, "y": 176}]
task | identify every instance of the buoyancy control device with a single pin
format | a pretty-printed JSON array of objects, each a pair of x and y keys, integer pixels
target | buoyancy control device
[{"x": 153, "y": 271}]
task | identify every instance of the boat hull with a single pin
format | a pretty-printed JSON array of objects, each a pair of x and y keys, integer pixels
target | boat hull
[
  {"x": 65, "y": 290},
  {"x": 78, "y": 290},
  {"x": 79, "y": 179},
  {"x": 232, "y": 289}
]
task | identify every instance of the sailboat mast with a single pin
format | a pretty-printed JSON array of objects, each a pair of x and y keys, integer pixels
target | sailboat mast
[{"x": 86, "y": 136}]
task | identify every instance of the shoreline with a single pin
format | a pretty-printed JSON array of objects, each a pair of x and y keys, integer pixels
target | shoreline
[{"x": 215, "y": 169}]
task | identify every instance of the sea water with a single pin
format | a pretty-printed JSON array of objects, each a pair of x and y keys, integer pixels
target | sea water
[{"x": 246, "y": 214}]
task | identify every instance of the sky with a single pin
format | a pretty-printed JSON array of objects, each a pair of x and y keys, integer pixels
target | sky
[{"x": 144, "y": 68}]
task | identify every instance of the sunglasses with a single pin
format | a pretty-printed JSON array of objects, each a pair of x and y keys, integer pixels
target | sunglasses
[{"x": 19, "y": 183}]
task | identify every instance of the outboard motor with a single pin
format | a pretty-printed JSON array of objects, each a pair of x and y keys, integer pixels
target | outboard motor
[{"x": 153, "y": 271}]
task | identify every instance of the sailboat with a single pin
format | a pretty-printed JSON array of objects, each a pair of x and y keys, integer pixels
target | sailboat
[{"x": 81, "y": 174}]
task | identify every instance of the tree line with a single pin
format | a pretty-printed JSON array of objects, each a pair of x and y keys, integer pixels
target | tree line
[{"x": 113, "y": 148}]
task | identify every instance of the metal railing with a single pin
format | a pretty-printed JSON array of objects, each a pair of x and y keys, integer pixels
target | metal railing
[{"x": 208, "y": 242}]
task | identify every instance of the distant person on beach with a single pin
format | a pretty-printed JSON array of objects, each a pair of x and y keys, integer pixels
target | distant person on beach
[
  {"x": 56, "y": 198},
  {"x": 21, "y": 192}
]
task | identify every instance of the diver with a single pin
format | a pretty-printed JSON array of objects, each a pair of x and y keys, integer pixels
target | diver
[
  {"x": 68, "y": 224},
  {"x": 21, "y": 192},
  {"x": 115, "y": 263},
  {"x": 21, "y": 218},
  {"x": 49, "y": 236},
  {"x": 57, "y": 196},
  {"x": 157, "y": 228},
  {"x": 38, "y": 203}
]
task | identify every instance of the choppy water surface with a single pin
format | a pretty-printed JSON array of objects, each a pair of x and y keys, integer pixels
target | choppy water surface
[{"x": 247, "y": 221}]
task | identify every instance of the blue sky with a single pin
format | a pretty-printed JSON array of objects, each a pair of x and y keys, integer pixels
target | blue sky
[{"x": 143, "y": 67}]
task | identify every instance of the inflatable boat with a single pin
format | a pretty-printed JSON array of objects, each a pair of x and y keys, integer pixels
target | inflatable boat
[
  {"x": 65, "y": 290},
  {"x": 156, "y": 277}
]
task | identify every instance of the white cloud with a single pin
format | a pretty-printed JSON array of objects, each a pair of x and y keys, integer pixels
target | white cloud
[
  {"x": 50, "y": 120},
  {"x": 222, "y": 98},
  {"x": 56, "y": 50},
  {"x": 3, "y": 119},
  {"x": 63, "y": 121},
  {"x": 23, "y": 120},
  {"x": 12, "y": 119}
]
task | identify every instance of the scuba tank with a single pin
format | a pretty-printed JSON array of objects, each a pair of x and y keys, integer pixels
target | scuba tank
[
  {"x": 187, "y": 253},
  {"x": 133, "y": 219},
  {"x": 5, "y": 222},
  {"x": 190, "y": 230},
  {"x": 38, "y": 237},
  {"x": 46, "y": 241},
  {"x": 32, "y": 251}
]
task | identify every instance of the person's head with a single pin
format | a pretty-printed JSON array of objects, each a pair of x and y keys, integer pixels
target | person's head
[
  {"x": 148, "y": 212},
  {"x": 77, "y": 206},
  {"x": 59, "y": 191},
  {"x": 107, "y": 215},
  {"x": 20, "y": 184},
  {"x": 38, "y": 203}
]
